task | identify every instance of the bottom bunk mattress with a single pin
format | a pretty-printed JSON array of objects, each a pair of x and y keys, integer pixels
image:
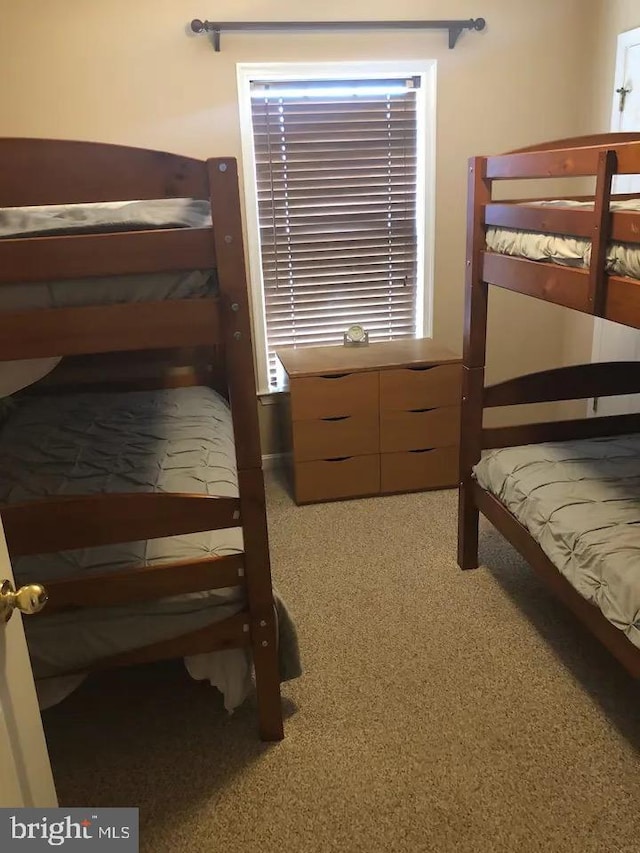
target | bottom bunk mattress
[
  {"x": 173, "y": 440},
  {"x": 580, "y": 500}
]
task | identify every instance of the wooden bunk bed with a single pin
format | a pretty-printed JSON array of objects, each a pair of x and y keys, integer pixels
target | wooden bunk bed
[
  {"x": 38, "y": 172},
  {"x": 597, "y": 286}
]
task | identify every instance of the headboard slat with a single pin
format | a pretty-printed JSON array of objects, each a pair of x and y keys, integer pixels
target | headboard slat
[{"x": 47, "y": 171}]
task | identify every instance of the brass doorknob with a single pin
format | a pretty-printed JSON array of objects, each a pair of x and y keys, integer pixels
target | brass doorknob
[{"x": 28, "y": 599}]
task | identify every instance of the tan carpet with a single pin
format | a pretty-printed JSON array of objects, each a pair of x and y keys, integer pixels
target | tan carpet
[{"x": 440, "y": 710}]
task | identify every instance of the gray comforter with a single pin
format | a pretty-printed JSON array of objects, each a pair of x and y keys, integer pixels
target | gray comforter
[
  {"x": 580, "y": 500},
  {"x": 105, "y": 216}
]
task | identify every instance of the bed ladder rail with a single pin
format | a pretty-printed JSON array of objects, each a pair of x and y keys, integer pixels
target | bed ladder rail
[
  {"x": 144, "y": 583},
  {"x": 126, "y": 327},
  {"x": 230, "y": 633},
  {"x": 600, "y": 235},
  {"x": 80, "y": 256},
  {"x": 85, "y": 521}
]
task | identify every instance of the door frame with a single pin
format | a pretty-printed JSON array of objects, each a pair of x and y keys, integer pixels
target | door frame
[{"x": 624, "y": 41}]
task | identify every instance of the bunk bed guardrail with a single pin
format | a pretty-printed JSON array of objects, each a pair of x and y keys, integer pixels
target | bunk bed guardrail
[{"x": 591, "y": 290}]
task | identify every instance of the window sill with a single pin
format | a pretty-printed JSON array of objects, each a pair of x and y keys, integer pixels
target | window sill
[{"x": 270, "y": 398}]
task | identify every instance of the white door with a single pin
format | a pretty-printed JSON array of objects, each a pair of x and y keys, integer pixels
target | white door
[
  {"x": 612, "y": 342},
  {"x": 25, "y": 771}
]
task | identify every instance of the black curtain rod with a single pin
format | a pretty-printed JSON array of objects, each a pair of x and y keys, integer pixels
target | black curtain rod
[{"x": 455, "y": 27}]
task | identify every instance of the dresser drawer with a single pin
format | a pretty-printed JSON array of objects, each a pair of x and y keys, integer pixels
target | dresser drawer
[
  {"x": 315, "y": 397},
  {"x": 348, "y": 435},
  {"x": 329, "y": 479},
  {"x": 417, "y": 470},
  {"x": 415, "y": 430},
  {"x": 420, "y": 388}
]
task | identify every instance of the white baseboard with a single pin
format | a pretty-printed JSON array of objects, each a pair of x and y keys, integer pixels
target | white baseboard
[{"x": 271, "y": 461}]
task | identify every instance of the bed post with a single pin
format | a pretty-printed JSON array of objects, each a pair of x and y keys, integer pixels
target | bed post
[
  {"x": 474, "y": 354},
  {"x": 607, "y": 167},
  {"x": 236, "y": 330}
]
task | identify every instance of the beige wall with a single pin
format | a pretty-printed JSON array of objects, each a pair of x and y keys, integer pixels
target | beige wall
[{"x": 125, "y": 71}]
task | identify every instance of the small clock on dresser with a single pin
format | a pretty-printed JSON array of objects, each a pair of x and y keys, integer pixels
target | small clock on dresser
[{"x": 356, "y": 336}]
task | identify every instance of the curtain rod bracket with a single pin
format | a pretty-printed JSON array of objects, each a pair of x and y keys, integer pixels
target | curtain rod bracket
[
  {"x": 455, "y": 28},
  {"x": 454, "y": 35}
]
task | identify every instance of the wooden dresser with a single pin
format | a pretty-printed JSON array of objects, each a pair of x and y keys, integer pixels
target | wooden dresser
[{"x": 371, "y": 420}]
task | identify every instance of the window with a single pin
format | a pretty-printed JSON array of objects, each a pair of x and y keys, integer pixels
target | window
[{"x": 337, "y": 203}]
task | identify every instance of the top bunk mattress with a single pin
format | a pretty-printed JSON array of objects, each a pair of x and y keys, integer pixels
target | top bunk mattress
[
  {"x": 622, "y": 258},
  {"x": 580, "y": 500},
  {"x": 104, "y": 218}
]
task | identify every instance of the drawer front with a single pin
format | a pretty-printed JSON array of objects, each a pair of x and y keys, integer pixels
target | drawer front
[
  {"x": 420, "y": 388},
  {"x": 315, "y": 397},
  {"x": 415, "y": 430},
  {"x": 326, "y": 480},
  {"x": 415, "y": 471},
  {"x": 349, "y": 435}
]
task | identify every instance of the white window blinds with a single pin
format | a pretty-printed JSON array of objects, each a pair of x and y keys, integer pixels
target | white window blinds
[{"x": 336, "y": 183}]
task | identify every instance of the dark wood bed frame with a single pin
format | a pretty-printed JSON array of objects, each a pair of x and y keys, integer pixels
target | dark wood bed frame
[
  {"x": 591, "y": 291},
  {"x": 166, "y": 334}
]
